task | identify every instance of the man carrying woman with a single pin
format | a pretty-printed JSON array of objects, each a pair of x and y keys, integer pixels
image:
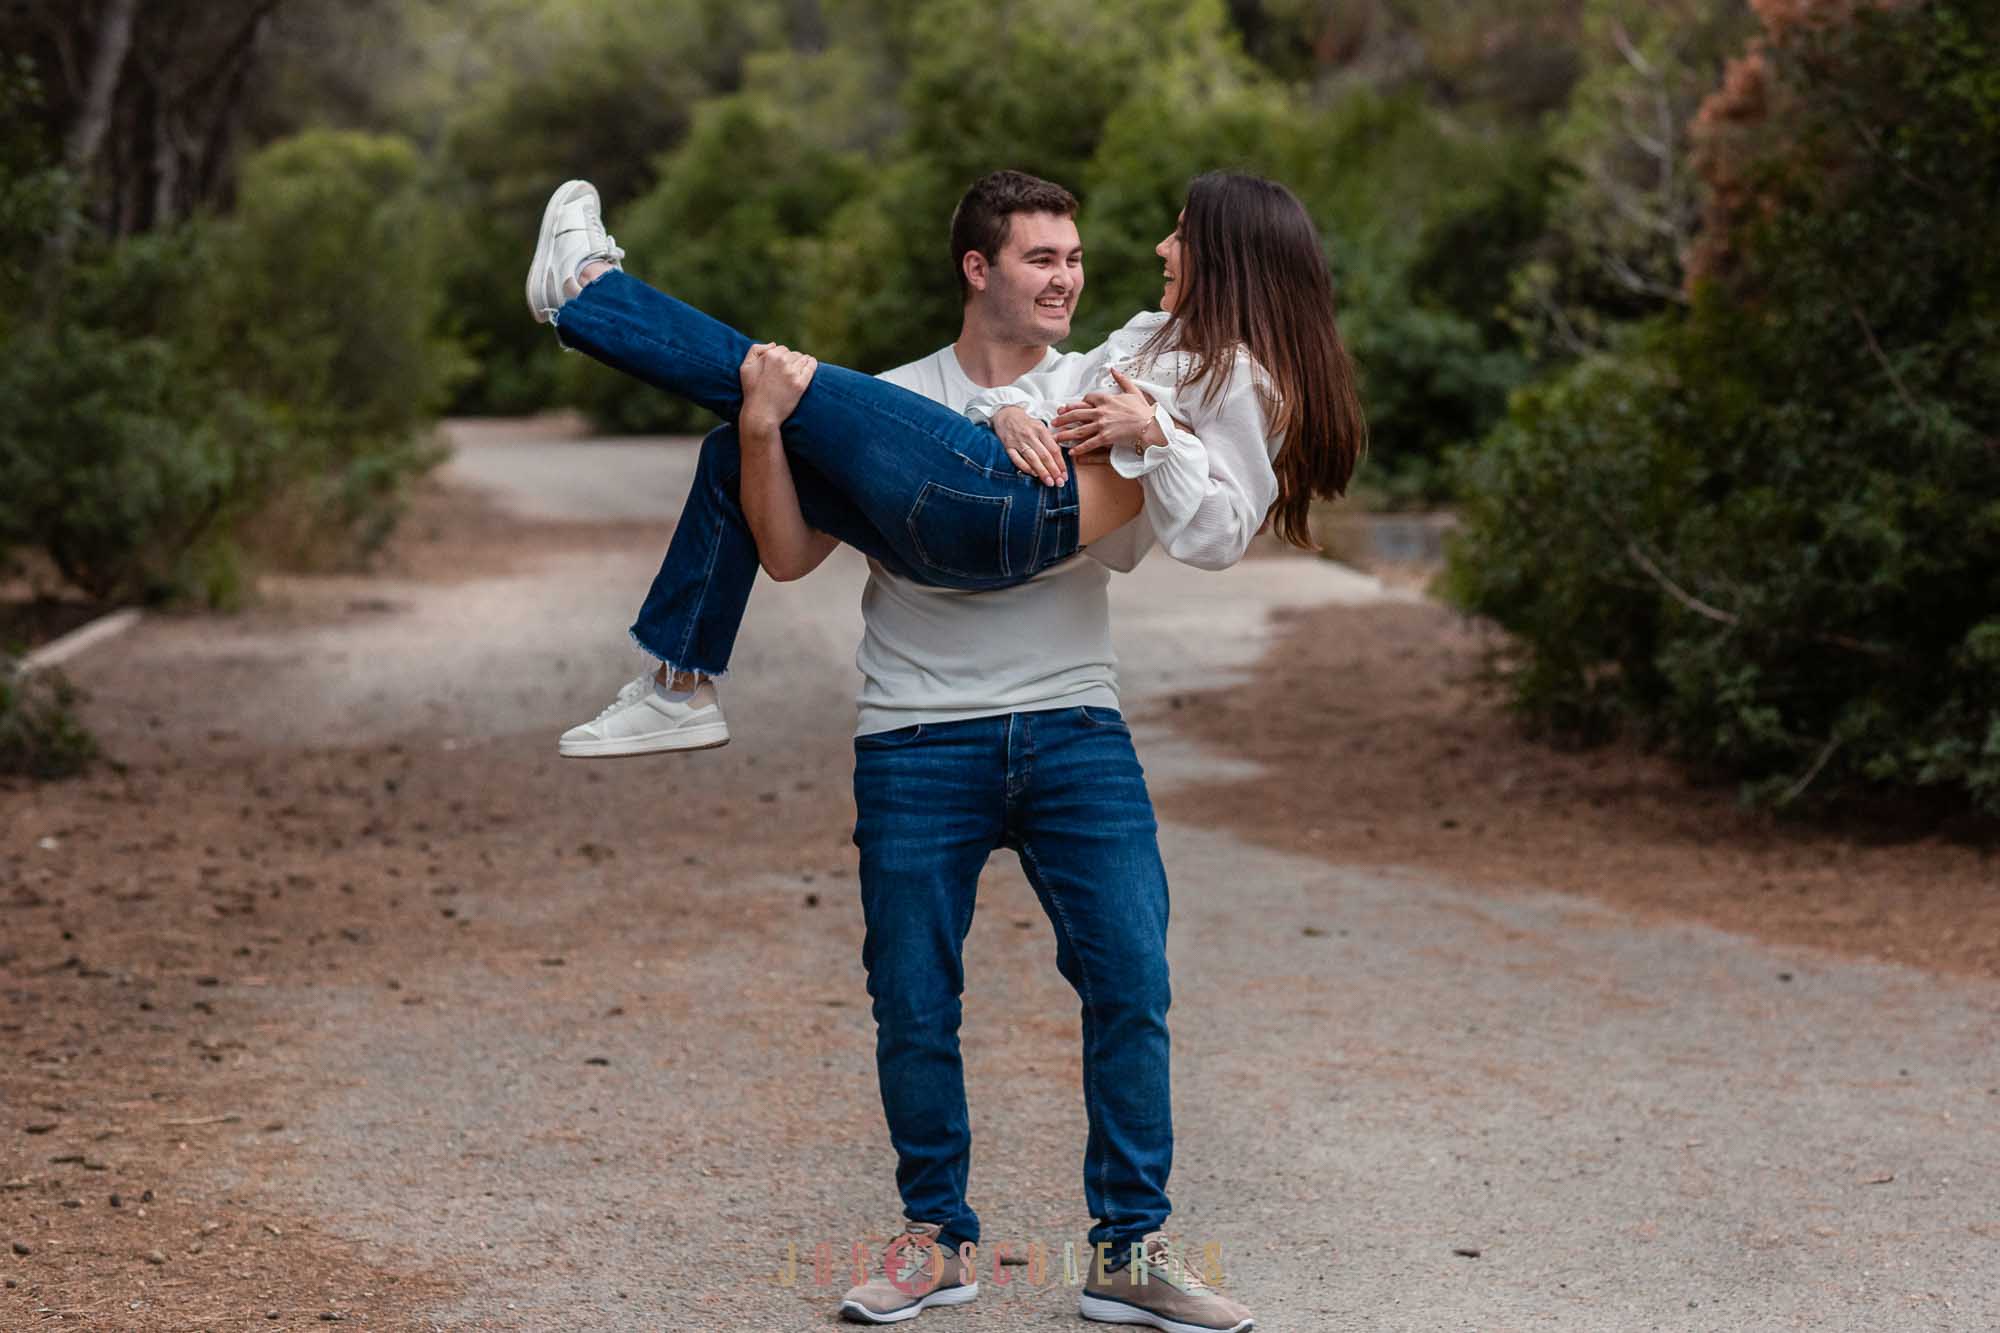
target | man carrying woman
[{"x": 989, "y": 707}]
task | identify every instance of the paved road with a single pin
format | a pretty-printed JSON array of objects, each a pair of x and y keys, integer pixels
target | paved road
[{"x": 1401, "y": 1104}]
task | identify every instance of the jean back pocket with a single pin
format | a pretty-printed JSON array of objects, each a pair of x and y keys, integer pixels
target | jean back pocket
[{"x": 962, "y": 534}]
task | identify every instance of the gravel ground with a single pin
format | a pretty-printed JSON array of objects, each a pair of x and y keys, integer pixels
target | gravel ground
[{"x": 408, "y": 1022}]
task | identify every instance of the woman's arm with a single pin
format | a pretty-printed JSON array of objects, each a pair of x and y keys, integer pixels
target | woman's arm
[
  {"x": 1019, "y": 413},
  {"x": 1208, "y": 489},
  {"x": 1039, "y": 392},
  {"x": 773, "y": 380}
]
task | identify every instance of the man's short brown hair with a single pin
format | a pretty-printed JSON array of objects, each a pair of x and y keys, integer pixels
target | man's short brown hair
[{"x": 981, "y": 220}]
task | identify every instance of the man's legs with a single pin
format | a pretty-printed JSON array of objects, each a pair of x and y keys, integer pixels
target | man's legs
[
  {"x": 929, "y": 802},
  {"x": 1081, "y": 819},
  {"x": 1079, "y": 815}
]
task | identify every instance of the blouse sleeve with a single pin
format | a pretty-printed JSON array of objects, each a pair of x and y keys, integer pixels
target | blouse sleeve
[
  {"x": 1041, "y": 393},
  {"x": 1208, "y": 490}
]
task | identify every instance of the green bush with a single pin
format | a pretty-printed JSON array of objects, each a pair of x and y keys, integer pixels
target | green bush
[
  {"x": 326, "y": 293},
  {"x": 123, "y": 452},
  {"x": 1767, "y": 534},
  {"x": 263, "y": 379},
  {"x": 596, "y": 89},
  {"x": 725, "y": 229},
  {"x": 327, "y": 307},
  {"x": 40, "y": 736},
  {"x": 124, "y": 460}
]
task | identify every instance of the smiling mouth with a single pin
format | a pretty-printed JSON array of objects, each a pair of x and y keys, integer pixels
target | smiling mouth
[{"x": 1053, "y": 304}]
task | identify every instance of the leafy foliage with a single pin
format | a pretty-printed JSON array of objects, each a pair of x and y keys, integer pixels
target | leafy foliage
[
  {"x": 346, "y": 353},
  {"x": 560, "y": 89},
  {"x": 1726, "y": 326},
  {"x": 188, "y": 381},
  {"x": 730, "y": 225},
  {"x": 1767, "y": 533},
  {"x": 1624, "y": 202},
  {"x": 40, "y": 736}
]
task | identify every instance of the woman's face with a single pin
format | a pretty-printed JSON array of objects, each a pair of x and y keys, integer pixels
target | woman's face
[{"x": 1173, "y": 256}]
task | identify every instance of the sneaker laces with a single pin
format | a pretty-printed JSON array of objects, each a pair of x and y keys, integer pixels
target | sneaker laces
[
  {"x": 608, "y": 253},
  {"x": 632, "y": 689},
  {"x": 915, "y": 1256},
  {"x": 602, "y": 246},
  {"x": 1162, "y": 1255},
  {"x": 915, "y": 1259}
]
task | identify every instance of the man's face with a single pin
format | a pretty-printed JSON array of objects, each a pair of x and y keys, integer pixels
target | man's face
[{"x": 1032, "y": 287}]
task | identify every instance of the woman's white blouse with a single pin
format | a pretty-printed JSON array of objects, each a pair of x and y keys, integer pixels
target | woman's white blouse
[{"x": 1208, "y": 488}]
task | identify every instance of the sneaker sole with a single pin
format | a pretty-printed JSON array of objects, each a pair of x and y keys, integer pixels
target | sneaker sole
[
  {"x": 712, "y": 736},
  {"x": 1117, "y": 1312},
  {"x": 857, "y": 1313},
  {"x": 543, "y": 244}
]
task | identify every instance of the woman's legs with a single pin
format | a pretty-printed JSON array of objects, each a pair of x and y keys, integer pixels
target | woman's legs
[
  {"x": 696, "y": 603},
  {"x": 691, "y": 612},
  {"x": 937, "y": 491},
  {"x": 1105, "y": 500}
]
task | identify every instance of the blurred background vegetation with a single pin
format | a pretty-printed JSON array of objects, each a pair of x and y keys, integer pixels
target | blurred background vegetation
[{"x": 1688, "y": 307}]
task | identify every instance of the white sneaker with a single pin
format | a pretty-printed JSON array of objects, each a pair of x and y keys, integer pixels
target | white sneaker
[
  {"x": 572, "y": 235},
  {"x": 643, "y": 720}
]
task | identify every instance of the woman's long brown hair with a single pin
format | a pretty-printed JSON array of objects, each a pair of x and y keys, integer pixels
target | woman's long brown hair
[{"x": 1252, "y": 275}]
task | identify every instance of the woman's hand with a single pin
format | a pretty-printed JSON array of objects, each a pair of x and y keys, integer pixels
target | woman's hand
[
  {"x": 1102, "y": 420},
  {"x": 1031, "y": 445},
  {"x": 774, "y": 379}
]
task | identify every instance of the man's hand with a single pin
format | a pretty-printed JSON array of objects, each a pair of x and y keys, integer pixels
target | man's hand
[
  {"x": 774, "y": 379},
  {"x": 1102, "y": 420},
  {"x": 1031, "y": 445}
]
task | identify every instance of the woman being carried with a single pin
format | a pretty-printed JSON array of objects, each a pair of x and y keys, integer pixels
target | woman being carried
[{"x": 1232, "y": 405}]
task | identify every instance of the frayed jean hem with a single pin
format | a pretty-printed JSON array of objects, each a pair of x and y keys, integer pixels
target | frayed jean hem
[{"x": 669, "y": 663}]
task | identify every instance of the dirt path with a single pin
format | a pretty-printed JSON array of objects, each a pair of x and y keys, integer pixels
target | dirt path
[{"x": 399, "y": 1019}]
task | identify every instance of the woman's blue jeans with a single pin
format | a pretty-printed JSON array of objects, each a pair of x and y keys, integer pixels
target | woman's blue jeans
[{"x": 931, "y": 495}]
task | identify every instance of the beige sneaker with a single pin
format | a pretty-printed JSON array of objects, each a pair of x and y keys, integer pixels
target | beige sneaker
[
  {"x": 1161, "y": 1289},
  {"x": 917, "y": 1273}
]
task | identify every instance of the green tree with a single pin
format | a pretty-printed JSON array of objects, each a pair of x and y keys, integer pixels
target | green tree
[
  {"x": 1626, "y": 201},
  {"x": 190, "y": 383},
  {"x": 561, "y": 89},
  {"x": 1767, "y": 533},
  {"x": 349, "y": 352},
  {"x": 729, "y": 223}
]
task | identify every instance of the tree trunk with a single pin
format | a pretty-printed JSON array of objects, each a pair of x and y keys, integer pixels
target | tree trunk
[
  {"x": 166, "y": 172},
  {"x": 114, "y": 39},
  {"x": 209, "y": 146}
]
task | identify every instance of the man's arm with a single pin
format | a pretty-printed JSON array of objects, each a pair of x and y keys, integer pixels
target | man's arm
[{"x": 773, "y": 380}]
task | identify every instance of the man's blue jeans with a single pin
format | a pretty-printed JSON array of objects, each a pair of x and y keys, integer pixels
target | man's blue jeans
[
  {"x": 1063, "y": 788},
  {"x": 931, "y": 495}
]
